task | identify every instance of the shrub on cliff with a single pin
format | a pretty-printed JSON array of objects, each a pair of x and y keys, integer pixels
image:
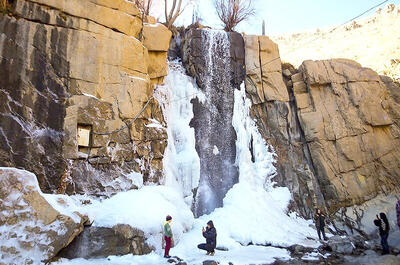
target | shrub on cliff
[{"x": 232, "y": 12}]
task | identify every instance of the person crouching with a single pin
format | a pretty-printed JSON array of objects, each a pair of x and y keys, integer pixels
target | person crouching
[
  {"x": 210, "y": 234},
  {"x": 167, "y": 231}
]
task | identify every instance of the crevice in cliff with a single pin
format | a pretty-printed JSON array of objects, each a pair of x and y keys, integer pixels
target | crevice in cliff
[
  {"x": 261, "y": 71},
  {"x": 305, "y": 149}
]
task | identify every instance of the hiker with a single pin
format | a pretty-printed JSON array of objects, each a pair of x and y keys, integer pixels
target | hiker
[
  {"x": 320, "y": 224},
  {"x": 167, "y": 236},
  {"x": 382, "y": 222},
  {"x": 210, "y": 233},
  {"x": 398, "y": 212}
]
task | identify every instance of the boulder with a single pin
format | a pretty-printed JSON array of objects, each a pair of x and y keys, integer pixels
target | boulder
[
  {"x": 101, "y": 242},
  {"x": 35, "y": 226},
  {"x": 156, "y": 37},
  {"x": 341, "y": 245}
]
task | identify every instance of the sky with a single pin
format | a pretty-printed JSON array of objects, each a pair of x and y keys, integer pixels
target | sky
[{"x": 284, "y": 16}]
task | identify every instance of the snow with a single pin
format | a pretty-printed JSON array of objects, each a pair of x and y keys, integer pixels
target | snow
[
  {"x": 136, "y": 178},
  {"x": 215, "y": 150},
  {"x": 144, "y": 209},
  {"x": 314, "y": 256},
  {"x": 21, "y": 234},
  {"x": 155, "y": 124},
  {"x": 254, "y": 211},
  {"x": 181, "y": 162},
  {"x": 138, "y": 78},
  {"x": 240, "y": 256},
  {"x": 89, "y": 95},
  {"x": 122, "y": 260}
]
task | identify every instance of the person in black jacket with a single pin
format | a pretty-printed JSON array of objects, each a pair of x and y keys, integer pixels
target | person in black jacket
[
  {"x": 210, "y": 233},
  {"x": 382, "y": 223},
  {"x": 320, "y": 224}
]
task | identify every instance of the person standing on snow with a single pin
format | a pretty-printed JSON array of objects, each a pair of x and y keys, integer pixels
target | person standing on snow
[
  {"x": 398, "y": 212},
  {"x": 382, "y": 223},
  {"x": 167, "y": 231},
  {"x": 320, "y": 224},
  {"x": 210, "y": 233}
]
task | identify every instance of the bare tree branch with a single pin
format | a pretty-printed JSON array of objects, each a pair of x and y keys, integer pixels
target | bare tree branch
[
  {"x": 175, "y": 11},
  {"x": 232, "y": 12},
  {"x": 144, "y": 6}
]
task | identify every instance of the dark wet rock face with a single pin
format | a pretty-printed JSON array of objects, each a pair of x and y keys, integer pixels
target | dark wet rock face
[
  {"x": 215, "y": 59},
  {"x": 33, "y": 90}
]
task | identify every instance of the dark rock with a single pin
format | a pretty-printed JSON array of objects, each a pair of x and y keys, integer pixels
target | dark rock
[
  {"x": 372, "y": 259},
  {"x": 216, "y": 60},
  {"x": 98, "y": 242},
  {"x": 32, "y": 100},
  {"x": 210, "y": 262}
]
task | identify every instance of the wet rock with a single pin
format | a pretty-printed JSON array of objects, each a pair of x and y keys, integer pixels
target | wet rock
[{"x": 216, "y": 60}]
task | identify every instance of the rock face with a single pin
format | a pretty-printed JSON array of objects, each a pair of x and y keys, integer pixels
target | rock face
[
  {"x": 351, "y": 125},
  {"x": 74, "y": 76},
  {"x": 274, "y": 110},
  {"x": 101, "y": 242},
  {"x": 216, "y": 60},
  {"x": 32, "y": 229},
  {"x": 337, "y": 138}
]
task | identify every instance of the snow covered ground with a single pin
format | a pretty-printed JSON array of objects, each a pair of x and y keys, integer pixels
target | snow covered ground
[{"x": 254, "y": 210}]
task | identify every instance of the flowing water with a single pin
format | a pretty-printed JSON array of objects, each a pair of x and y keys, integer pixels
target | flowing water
[{"x": 214, "y": 133}]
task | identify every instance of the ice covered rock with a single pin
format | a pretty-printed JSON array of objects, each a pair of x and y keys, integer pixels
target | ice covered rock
[{"x": 34, "y": 226}]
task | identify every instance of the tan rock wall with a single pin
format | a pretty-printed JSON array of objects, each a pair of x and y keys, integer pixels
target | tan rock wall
[
  {"x": 348, "y": 124},
  {"x": 337, "y": 139},
  {"x": 278, "y": 123},
  {"x": 264, "y": 80},
  {"x": 107, "y": 61}
]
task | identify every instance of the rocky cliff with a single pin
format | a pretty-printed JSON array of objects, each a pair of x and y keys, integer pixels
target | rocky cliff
[
  {"x": 334, "y": 126},
  {"x": 75, "y": 75}
]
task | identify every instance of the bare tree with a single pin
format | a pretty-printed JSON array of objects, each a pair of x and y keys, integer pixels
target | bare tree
[
  {"x": 232, "y": 12},
  {"x": 144, "y": 6},
  {"x": 175, "y": 11}
]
